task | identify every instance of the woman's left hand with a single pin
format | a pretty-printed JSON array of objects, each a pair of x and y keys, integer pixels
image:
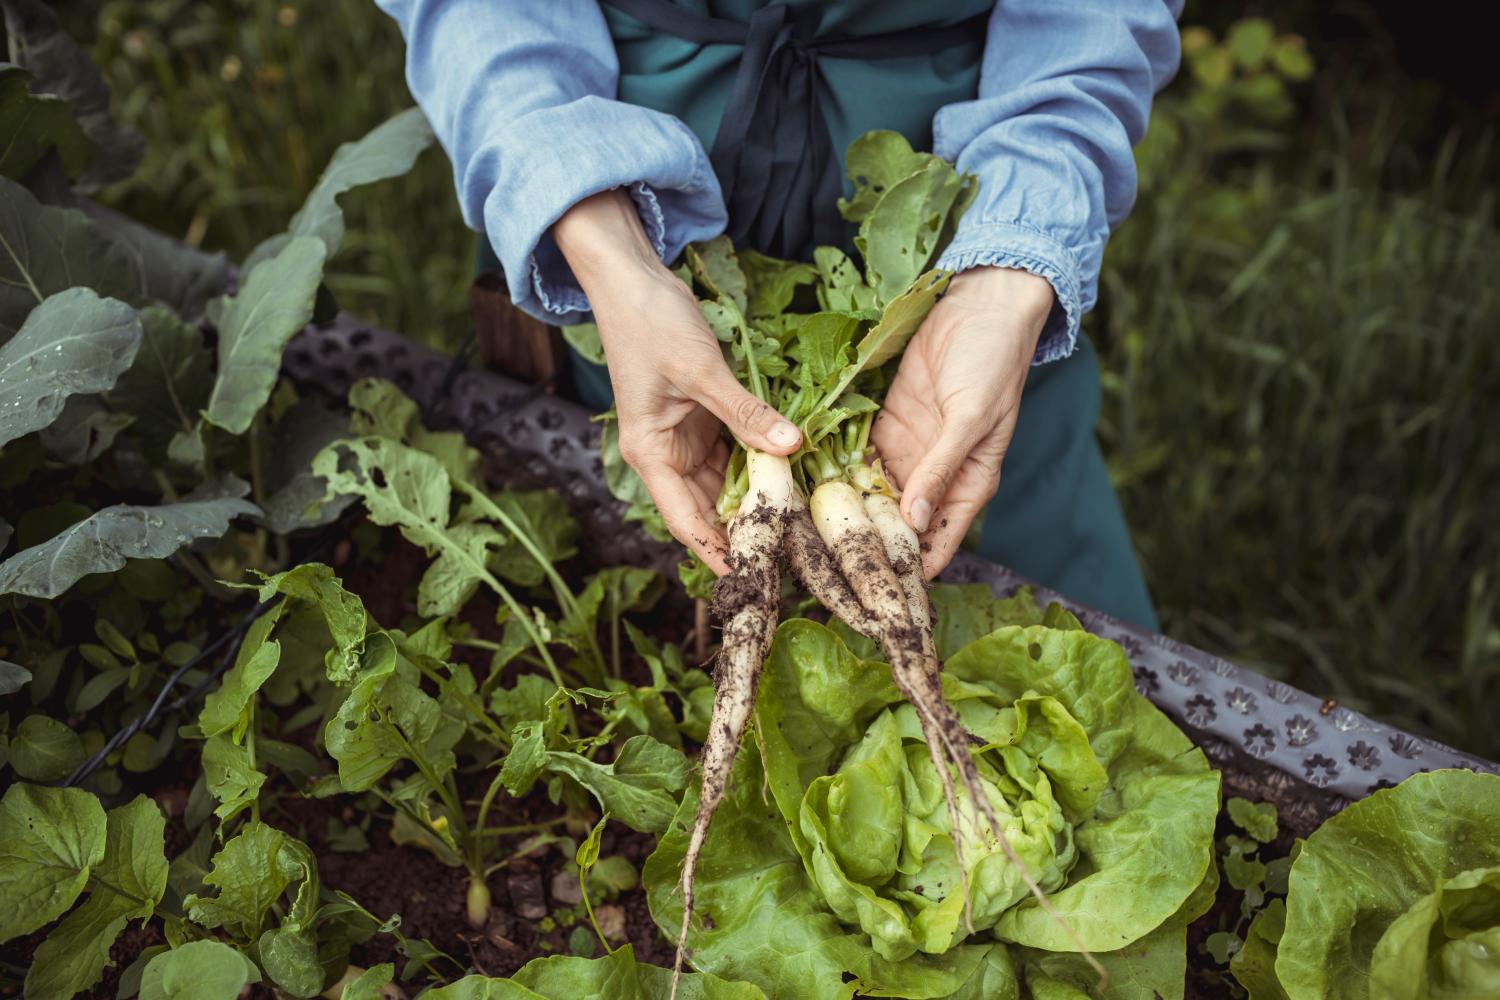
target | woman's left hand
[{"x": 951, "y": 410}]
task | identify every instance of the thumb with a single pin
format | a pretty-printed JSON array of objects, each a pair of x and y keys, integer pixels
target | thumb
[
  {"x": 755, "y": 423},
  {"x": 929, "y": 481}
]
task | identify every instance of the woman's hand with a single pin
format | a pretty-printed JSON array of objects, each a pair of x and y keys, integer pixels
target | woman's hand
[
  {"x": 673, "y": 390},
  {"x": 951, "y": 411}
]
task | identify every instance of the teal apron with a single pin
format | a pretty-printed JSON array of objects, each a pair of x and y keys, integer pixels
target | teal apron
[{"x": 776, "y": 93}]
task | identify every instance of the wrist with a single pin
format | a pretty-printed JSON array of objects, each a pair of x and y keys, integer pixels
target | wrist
[
  {"x": 605, "y": 245},
  {"x": 1019, "y": 292}
]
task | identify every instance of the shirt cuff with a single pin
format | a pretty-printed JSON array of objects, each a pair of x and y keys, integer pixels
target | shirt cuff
[
  {"x": 1009, "y": 244},
  {"x": 555, "y": 158}
]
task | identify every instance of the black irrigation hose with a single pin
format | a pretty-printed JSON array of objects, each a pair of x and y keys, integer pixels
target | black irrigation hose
[{"x": 229, "y": 639}]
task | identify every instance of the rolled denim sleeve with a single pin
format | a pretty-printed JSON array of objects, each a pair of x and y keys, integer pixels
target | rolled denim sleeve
[
  {"x": 1064, "y": 93},
  {"x": 522, "y": 96}
]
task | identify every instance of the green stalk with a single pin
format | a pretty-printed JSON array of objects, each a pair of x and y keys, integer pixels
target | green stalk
[
  {"x": 566, "y": 599},
  {"x": 496, "y": 731},
  {"x": 584, "y": 888}
]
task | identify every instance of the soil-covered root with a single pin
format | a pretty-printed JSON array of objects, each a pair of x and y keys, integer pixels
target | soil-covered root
[
  {"x": 904, "y": 551},
  {"x": 816, "y": 570},
  {"x": 746, "y": 602}
]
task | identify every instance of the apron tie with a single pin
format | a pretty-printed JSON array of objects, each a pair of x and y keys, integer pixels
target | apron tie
[{"x": 772, "y": 154}]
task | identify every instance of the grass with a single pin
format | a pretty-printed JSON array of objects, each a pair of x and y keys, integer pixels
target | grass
[{"x": 1302, "y": 360}]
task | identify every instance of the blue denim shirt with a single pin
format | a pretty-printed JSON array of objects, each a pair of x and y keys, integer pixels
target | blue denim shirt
[{"x": 522, "y": 96}]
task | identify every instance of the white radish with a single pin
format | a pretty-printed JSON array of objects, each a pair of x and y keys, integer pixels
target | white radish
[
  {"x": 905, "y": 554},
  {"x": 814, "y": 567},
  {"x": 746, "y": 601}
]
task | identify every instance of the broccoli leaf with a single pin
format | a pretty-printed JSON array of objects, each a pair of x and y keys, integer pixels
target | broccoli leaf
[
  {"x": 274, "y": 303},
  {"x": 388, "y": 150},
  {"x": 37, "y": 123},
  {"x": 63, "y": 68},
  {"x": 103, "y": 542},
  {"x": 73, "y": 342}
]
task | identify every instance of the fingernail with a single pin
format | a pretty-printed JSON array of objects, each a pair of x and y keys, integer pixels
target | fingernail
[
  {"x": 921, "y": 513},
  {"x": 784, "y": 435}
]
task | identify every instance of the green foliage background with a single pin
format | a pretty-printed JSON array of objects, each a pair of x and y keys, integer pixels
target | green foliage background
[{"x": 1298, "y": 323}]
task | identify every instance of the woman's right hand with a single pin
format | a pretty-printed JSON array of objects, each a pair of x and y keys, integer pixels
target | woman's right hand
[{"x": 673, "y": 390}]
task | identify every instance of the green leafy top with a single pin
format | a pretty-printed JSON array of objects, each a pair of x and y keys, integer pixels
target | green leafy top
[{"x": 812, "y": 338}]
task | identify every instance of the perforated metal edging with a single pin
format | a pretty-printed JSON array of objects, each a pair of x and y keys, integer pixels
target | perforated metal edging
[{"x": 1272, "y": 740}]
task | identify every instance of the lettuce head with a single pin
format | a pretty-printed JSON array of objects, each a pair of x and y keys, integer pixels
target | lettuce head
[
  {"x": 832, "y": 868},
  {"x": 1398, "y": 896}
]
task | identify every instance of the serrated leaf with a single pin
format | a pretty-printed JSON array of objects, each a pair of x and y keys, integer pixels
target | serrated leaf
[
  {"x": 103, "y": 542},
  {"x": 452, "y": 578},
  {"x": 37, "y": 123},
  {"x": 1258, "y": 819},
  {"x": 224, "y": 710},
  {"x": 63, "y": 68},
  {"x": 43, "y": 749},
  {"x": 899, "y": 322},
  {"x": 343, "y": 613},
  {"x": 716, "y": 267},
  {"x": 73, "y": 342},
  {"x": 198, "y": 970},
  {"x": 875, "y": 162},
  {"x": 274, "y": 303},
  {"x": 127, "y": 885},
  {"x": 900, "y": 236},
  {"x": 251, "y": 872},
  {"x": 640, "y": 788},
  {"x": 526, "y": 760},
  {"x": 231, "y": 776},
  {"x": 50, "y": 839},
  {"x": 381, "y": 409},
  {"x": 389, "y": 150}
]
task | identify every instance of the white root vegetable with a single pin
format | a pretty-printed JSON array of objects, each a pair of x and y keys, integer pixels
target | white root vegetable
[
  {"x": 815, "y": 569},
  {"x": 745, "y": 602},
  {"x": 905, "y": 554},
  {"x": 842, "y": 519}
]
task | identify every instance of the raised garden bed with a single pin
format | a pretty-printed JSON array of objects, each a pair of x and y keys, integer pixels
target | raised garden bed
[{"x": 309, "y": 695}]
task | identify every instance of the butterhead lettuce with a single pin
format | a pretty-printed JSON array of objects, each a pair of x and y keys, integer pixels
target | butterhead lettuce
[
  {"x": 1398, "y": 896},
  {"x": 834, "y": 868}
]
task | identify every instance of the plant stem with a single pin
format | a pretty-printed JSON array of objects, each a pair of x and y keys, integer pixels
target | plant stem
[{"x": 566, "y": 599}]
